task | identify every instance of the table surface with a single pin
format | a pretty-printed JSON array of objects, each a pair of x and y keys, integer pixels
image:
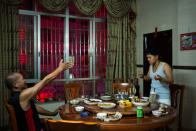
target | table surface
[{"x": 128, "y": 122}]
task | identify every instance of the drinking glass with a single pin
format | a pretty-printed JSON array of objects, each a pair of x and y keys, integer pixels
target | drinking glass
[
  {"x": 153, "y": 97},
  {"x": 71, "y": 59}
]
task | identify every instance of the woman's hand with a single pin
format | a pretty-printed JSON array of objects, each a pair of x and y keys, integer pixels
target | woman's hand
[
  {"x": 158, "y": 77},
  {"x": 168, "y": 72}
]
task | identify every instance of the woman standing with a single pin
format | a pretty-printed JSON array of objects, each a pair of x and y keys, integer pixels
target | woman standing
[{"x": 160, "y": 75}]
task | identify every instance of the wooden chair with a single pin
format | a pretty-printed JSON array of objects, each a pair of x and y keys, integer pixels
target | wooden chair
[
  {"x": 118, "y": 80},
  {"x": 12, "y": 117},
  {"x": 73, "y": 90},
  {"x": 61, "y": 125},
  {"x": 121, "y": 87},
  {"x": 175, "y": 91}
]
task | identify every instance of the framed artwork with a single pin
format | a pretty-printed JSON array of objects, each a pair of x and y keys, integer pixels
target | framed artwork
[{"x": 188, "y": 41}]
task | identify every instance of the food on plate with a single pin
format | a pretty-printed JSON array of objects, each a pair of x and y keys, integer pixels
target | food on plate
[
  {"x": 163, "y": 108},
  {"x": 95, "y": 100},
  {"x": 103, "y": 104},
  {"x": 106, "y": 105},
  {"x": 125, "y": 104},
  {"x": 88, "y": 102},
  {"x": 140, "y": 100}
]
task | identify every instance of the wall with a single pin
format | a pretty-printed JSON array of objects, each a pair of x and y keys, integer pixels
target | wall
[{"x": 178, "y": 15}]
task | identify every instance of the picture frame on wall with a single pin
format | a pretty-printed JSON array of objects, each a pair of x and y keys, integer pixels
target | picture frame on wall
[{"x": 188, "y": 41}]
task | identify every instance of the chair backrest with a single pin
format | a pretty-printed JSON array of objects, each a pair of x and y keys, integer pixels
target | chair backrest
[
  {"x": 12, "y": 116},
  {"x": 73, "y": 90},
  {"x": 118, "y": 80},
  {"x": 121, "y": 87},
  {"x": 175, "y": 91},
  {"x": 61, "y": 125}
]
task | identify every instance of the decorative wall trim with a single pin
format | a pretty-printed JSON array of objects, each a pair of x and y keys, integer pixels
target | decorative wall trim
[
  {"x": 177, "y": 67},
  {"x": 184, "y": 67},
  {"x": 140, "y": 65}
]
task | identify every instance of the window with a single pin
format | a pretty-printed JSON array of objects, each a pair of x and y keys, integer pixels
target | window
[{"x": 46, "y": 37}]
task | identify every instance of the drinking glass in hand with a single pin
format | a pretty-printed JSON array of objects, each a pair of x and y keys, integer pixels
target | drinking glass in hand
[{"x": 71, "y": 59}]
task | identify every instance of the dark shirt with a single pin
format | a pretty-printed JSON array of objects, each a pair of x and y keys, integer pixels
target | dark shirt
[{"x": 21, "y": 116}]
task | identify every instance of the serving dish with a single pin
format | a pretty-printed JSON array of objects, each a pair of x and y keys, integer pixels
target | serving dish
[
  {"x": 92, "y": 101},
  {"x": 140, "y": 103}
]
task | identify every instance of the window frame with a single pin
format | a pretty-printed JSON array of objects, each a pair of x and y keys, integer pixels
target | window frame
[{"x": 37, "y": 45}]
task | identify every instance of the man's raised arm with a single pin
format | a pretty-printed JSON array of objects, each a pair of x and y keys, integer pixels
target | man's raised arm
[{"x": 28, "y": 93}]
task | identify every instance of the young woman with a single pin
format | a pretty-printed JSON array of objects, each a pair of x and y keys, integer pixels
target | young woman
[{"x": 160, "y": 75}]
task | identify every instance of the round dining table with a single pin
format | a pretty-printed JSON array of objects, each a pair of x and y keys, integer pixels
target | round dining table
[{"x": 126, "y": 123}]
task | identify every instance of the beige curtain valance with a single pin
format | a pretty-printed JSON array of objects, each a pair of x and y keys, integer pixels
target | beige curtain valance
[
  {"x": 54, "y": 5},
  {"x": 88, "y": 7},
  {"x": 116, "y": 8}
]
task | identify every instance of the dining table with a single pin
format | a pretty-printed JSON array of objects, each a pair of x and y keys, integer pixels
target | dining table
[{"x": 129, "y": 120}]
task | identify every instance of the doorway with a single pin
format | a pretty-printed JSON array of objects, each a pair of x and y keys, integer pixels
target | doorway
[{"x": 163, "y": 43}]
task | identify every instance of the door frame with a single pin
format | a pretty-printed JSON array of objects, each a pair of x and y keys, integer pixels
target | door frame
[{"x": 161, "y": 34}]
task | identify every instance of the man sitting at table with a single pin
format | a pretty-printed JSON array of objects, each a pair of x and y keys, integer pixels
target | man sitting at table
[{"x": 22, "y": 98}]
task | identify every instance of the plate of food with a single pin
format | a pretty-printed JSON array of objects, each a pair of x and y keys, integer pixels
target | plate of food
[
  {"x": 140, "y": 102},
  {"x": 95, "y": 100},
  {"x": 106, "y": 105},
  {"x": 92, "y": 101}
]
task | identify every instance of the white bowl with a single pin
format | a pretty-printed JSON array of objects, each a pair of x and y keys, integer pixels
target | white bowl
[
  {"x": 157, "y": 113},
  {"x": 79, "y": 108},
  {"x": 74, "y": 101},
  {"x": 101, "y": 115},
  {"x": 106, "y": 98}
]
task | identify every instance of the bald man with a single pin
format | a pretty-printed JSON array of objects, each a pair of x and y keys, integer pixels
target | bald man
[{"x": 22, "y": 98}]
